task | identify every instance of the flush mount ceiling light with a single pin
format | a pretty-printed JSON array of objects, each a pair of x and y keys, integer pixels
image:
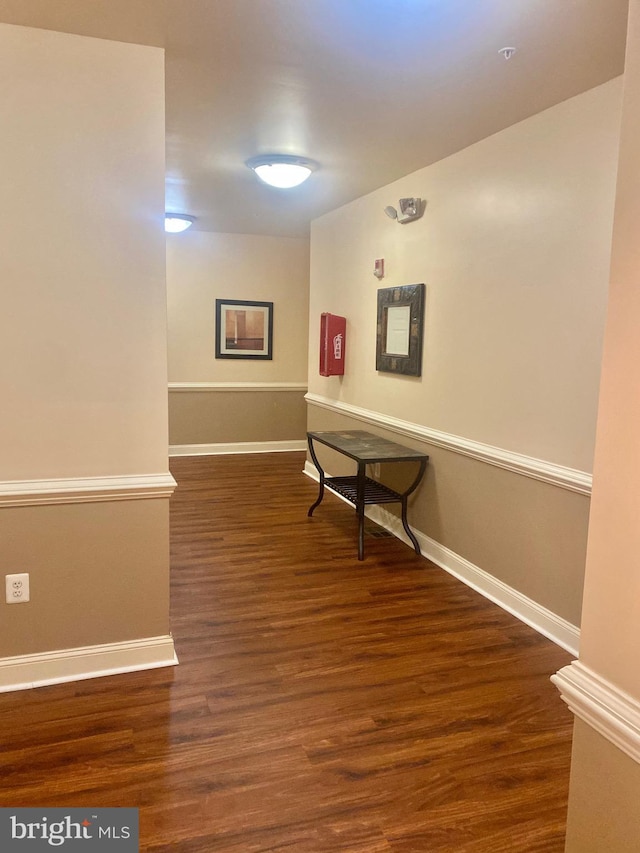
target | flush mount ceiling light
[
  {"x": 282, "y": 170},
  {"x": 174, "y": 223},
  {"x": 507, "y": 52}
]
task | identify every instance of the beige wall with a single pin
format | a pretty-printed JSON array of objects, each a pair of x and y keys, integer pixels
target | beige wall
[
  {"x": 605, "y": 784},
  {"x": 514, "y": 250},
  {"x": 98, "y": 574},
  {"x": 217, "y": 415},
  {"x": 83, "y": 325},
  {"x": 612, "y": 590},
  {"x": 203, "y": 267},
  {"x": 603, "y": 805},
  {"x": 82, "y": 337},
  {"x": 518, "y": 529}
]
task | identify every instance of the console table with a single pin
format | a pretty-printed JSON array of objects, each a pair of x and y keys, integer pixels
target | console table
[{"x": 360, "y": 490}]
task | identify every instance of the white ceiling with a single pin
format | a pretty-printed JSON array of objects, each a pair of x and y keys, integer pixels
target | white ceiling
[{"x": 372, "y": 89}]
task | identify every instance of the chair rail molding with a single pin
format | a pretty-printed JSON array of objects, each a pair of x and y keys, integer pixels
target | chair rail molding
[
  {"x": 518, "y": 463},
  {"x": 86, "y": 489},
  {"x": 605, "y": 707}
]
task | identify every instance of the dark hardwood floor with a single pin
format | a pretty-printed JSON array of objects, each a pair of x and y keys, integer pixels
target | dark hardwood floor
[{"x": 321, "y": 704}]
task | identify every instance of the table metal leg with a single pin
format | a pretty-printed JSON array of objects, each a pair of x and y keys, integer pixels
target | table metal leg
[
  {"x": 408, "y": 530},
  {"x": 321, "y": 472},
  {"x": 412, "y": 488},
  {"x": 362, "y": 468}
]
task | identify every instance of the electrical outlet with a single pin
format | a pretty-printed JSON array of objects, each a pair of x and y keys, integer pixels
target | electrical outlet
[
  {"x": 17, "y": 588},
  {"x": 376, "y": 470}
]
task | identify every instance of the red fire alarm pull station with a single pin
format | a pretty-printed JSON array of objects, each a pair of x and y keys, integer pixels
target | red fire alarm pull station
[{"x": 333, "y": 331}]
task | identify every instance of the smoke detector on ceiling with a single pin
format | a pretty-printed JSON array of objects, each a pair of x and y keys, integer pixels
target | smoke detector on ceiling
[{"x": 507, "y": 52}]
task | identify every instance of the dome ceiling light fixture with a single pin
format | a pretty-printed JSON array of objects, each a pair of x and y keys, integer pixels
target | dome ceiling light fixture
[
  {"x": 175, "y": 223},
  {"x": 282, "y": 170}
]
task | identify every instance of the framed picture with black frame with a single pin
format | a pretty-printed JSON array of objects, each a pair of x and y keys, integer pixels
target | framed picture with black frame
[
  {"x": 400, "y": 329},
  {"x": 244, "y": 329}
]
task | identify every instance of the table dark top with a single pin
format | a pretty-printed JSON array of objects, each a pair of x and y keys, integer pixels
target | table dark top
[{"x": 366, "y": 447}]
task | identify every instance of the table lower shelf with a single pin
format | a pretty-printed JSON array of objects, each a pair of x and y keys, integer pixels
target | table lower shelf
[{"x": 374, "y": 492}]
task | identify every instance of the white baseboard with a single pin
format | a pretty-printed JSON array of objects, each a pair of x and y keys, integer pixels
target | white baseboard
[
  {"x": 609, "y": 710},
  {"x": 241, "y": 387},
  {"x": 544, "y": 621},
  {"x": 40, "y": 670},
  {"x": 237, "y": 447}
]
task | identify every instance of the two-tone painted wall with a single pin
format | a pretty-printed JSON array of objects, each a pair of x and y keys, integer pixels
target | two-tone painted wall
[
  {"x": 84, "y": 482},
  {"x": 236, "y": 405},
  {"x": 514, "y": 250},
  {"x": 603, "y": 687}
]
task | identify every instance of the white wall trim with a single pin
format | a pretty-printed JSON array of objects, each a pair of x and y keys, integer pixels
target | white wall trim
[
  {"x": 237, "y": 447},
  {"x": 544, "y": 621},
  {"x": 237, "y": 386},
  {"x": 85, "y": 489},
  {"x": 39, "y": 670},
  {"x": 537, "y": 469},
  {"x": 609, "y": 710}
]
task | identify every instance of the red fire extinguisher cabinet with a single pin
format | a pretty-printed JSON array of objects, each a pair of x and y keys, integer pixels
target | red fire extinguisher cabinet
[{"x": 333, "y": 331}]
